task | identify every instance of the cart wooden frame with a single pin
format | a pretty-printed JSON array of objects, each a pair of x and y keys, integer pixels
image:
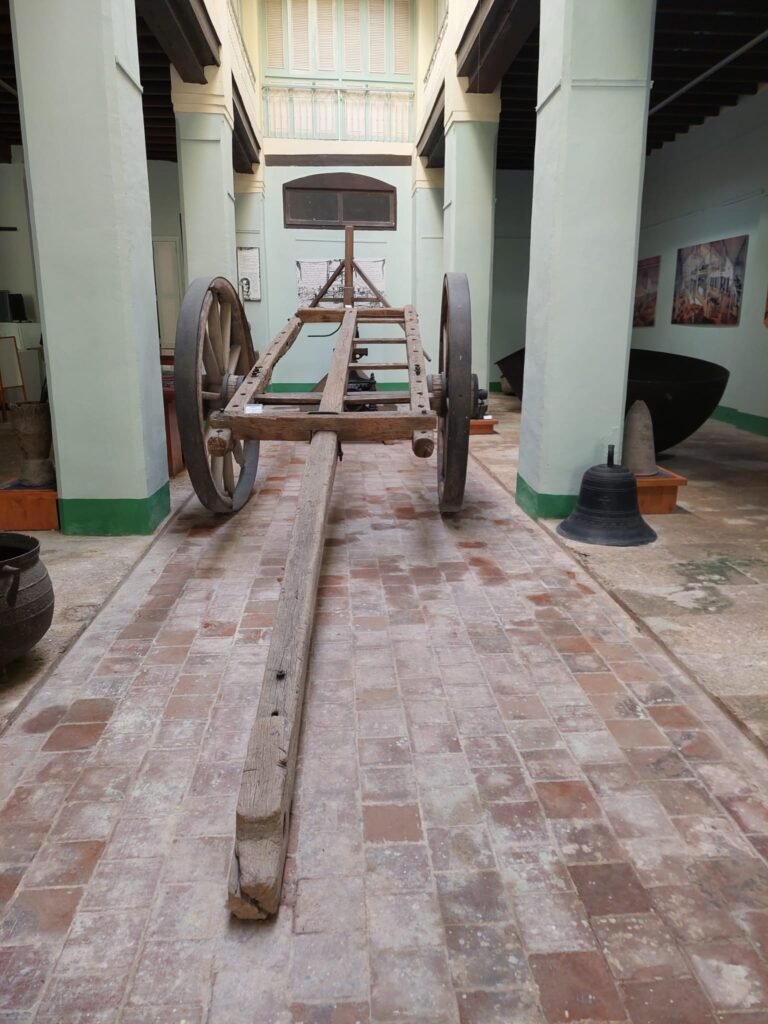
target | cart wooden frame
[{"x": 225, "y": 410}]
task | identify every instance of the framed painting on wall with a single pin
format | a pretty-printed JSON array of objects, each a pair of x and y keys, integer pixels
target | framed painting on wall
[
  {"x": 646, "y": 291},
  {"x": 709, "y": 282}
]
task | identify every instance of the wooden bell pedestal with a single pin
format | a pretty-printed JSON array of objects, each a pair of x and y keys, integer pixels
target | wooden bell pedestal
[
  {"x": 28, "y": 508},
  {"x": 657, "y": 495},
  {"x": 487, "y": 425}
]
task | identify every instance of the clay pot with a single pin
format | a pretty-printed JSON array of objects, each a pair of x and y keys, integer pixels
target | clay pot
[
  {"x": 26, "y": 596},
  {"x": 31, "y": 422}
]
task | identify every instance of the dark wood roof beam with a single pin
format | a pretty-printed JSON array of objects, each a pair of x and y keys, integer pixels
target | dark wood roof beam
[
  {"x": 245, "y": 144},
  {"x": 706, "y": 74},
  {"x": 186, "y": 34},
  {"x": 497, "y": 32},
  {"x": 431, "y": 144}
]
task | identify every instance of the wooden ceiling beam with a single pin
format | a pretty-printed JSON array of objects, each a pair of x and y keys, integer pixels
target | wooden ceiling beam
[
  {"x": 185, "y": 33},
  {"x": 496, "y": 33}
]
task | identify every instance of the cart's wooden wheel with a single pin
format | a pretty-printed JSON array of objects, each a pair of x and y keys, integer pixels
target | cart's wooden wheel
[
  {"x": 457, "y": 392},
  {"x": 213, "y": 346}
]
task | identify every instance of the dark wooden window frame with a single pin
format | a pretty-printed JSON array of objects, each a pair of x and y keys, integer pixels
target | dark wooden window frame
[{"x": 341, "y": 183}]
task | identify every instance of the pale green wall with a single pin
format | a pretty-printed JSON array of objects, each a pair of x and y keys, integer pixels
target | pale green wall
[
  {"x": 510, "y": 264},
  {"x": 468, "y": 224},
  {"x": 713, "y": 183},
  {"x": 249, "y": 226},
  {"x": 17, "y": 271},
  {"x": 427, "y": 265},
  {"x": 164, "y": 199},
  {"x": 308, "y": 360}
]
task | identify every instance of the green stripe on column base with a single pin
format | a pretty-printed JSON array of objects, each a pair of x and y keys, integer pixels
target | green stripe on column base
[
  {"x": 543, "y": 506},
  {"x": 742, "y": 420},
  {"x": 114, "y": 517}
]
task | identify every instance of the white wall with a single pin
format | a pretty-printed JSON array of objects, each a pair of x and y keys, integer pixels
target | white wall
[
  {"x": 713, "y": 183},
  {"x": 17, "y": 271},
  {"x": 308, "y": 360}
]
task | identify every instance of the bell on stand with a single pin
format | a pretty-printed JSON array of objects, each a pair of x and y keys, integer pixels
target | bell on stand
[{"x": 607, "y": 511}]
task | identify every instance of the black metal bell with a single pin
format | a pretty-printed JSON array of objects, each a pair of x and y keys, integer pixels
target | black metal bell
[{"x": 607, "y": 511}]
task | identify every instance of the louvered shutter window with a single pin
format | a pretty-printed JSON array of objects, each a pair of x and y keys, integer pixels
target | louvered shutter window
[
  {"x": 402, "y": 37},
  {"x": 300, "y": 35},
  {"x": 377, "y": 37},
  {"x": 326, "y": 37},
  {"x": 275, "y": 50},
  {"x": 352, "y": 55}
]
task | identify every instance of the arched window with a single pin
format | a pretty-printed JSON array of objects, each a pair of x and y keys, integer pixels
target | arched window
[{"x": 334, "y": 200}]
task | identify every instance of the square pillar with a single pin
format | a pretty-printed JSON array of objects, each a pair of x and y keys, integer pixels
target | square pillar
[
  {"x": 594, "y": 81},
  {"x": 204, "y": 125},
  {"x": 80, "y": 99},
  {"x": 471, "y": 131},
  {"x": 427, "y": 263}
]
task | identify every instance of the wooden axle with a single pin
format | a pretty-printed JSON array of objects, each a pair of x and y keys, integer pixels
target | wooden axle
[{"x": 288, "y": 425}]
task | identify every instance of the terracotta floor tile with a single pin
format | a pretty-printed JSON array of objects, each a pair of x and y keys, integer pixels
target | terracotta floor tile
[
  {"x": 732, "y": 974},
  {"x": 669, "y": 1001},
  {"x": 485, "y": 957},
  {"x": 397, "y": 867},
  {"x": 330, "y": 967},
  {"x": 402, "y": 921},
  {"x": 692, "y": 914},
  {"x": 518, "y": 1005},
  {"x": 553, "y": 923},
  {"x": 329, "y": 905},
  {"x": 90, "y": 710},
  {"x": 472, "y": 897},
  {"x": 391, "y": 823},
  {"x": 567, "y": 800},
  {"x": 415, "y": 983},
  {"x": 39, "y": 916},
  {"x": 609, "y": 889},
  {"x": 638, "y": 947},
  {"x": 586, "y": 842},
  {"x": 64, "y": 864},
  {"x": 460, "y": 849},
  {"x": 576, "y": 986},
  {"x": 74, "y": 737}
]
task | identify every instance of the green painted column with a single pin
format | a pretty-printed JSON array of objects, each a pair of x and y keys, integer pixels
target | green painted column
[
  {"x": 468, "y": 212},
  {"x": 427, "y": 263},
  {"x": 80, "y": 98},
  {"x": 594, "y": 79}
]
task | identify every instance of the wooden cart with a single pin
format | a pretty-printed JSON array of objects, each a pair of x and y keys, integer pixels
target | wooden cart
[{"x": 225, "y": 410}]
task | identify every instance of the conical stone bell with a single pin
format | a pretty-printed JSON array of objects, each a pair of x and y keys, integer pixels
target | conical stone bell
[
  {"x": 607, "y": 510},
  {"x": 639, "y": 453}
]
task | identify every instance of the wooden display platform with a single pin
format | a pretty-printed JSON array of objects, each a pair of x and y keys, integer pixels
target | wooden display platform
[
  {"x": 483, "y": 426},
  {"x": 657, "y": 495},
  {"x": 27, "y": 508}
]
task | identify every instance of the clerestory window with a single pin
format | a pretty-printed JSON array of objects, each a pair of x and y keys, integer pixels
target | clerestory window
[{"x": 335, "y": 200}]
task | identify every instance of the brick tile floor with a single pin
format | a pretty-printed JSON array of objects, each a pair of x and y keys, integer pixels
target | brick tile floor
[{"x": 510, "y": 806}]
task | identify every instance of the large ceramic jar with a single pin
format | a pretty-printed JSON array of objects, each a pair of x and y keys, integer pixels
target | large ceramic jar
[{"x": 26, "y": 596}]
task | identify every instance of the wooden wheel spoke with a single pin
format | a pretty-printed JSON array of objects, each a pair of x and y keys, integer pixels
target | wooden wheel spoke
[
  {"x": 238, "y": 452},
  {"x": 226, "y": 324},
  {"x": 217, "y": 471},
  {"x": 229, "y": 473},
  {"x": 210, "y": 362},
  {"x": 217, "y": 339},
  {"x": 234, "y": 358}
]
